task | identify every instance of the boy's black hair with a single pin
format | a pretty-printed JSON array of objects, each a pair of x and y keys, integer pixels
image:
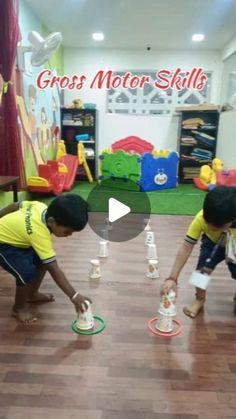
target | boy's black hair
[
  {"x": 69, "y": 210},
  {"x": 219, "y": 206}
]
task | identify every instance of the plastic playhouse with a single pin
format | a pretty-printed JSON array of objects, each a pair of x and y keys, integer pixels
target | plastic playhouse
[{"x": 132, "y": 163}]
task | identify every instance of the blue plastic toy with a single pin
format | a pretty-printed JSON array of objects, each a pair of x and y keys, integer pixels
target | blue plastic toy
[{"x": 159, "y": 172}]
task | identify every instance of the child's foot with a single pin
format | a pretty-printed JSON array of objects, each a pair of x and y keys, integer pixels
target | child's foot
[
  {"x": 193, "y": 309},
  {"x": 23, "y": 315},
  {"x": 39, "y": 297}
]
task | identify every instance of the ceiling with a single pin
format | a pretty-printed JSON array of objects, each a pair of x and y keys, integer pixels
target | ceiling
[{"x": 138, "y": 23}]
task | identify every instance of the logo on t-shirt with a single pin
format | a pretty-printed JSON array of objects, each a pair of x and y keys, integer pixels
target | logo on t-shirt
[{"x": 28, "y": 216}]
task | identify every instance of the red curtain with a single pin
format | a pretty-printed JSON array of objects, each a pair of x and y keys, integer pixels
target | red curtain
[{"x": 11, "y": 160}]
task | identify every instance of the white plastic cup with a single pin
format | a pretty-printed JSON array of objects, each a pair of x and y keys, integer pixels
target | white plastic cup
[
  {"x": 167, "y": 305},
  {"x": 103, "y": 249},
  {"x": 200, "y": 280},
  {"x": 150, "y": 238},
  {"x": 105, "y": 234},
  {"x": 152, "y": 269},
  {"x": 164, "y": 324},
  {"x": 85, "y": 320},
  {"x": 148, "y": 224},
  {"x": 95, "y": 272},
  {"x": 151, "y": 252},
  {"x": 108, "y": 224}
]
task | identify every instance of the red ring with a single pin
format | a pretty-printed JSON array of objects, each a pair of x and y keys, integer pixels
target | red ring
[{"x": 167, "y": 334}]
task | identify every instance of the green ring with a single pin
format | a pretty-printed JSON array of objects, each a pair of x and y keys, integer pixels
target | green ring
[{"x": 92, "y": 332}]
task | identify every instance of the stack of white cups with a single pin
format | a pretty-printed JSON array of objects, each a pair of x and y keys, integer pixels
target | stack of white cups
[
  {"x": 152, "y": 267},
  {"x": 85, "y": 319},
  {"x": 148, "y": 224},
  {"x": 108, "y": 224},
  {"x": 105, "y": 234},
  {"x": 151, "y": 246},
  {"x": 150, "y": 237},
  {"x": 95, "y": 272},
  {"x": 166, "y": 311},
  {"x": 103, "y": 249},
  {"x": 151, "y": 251}
]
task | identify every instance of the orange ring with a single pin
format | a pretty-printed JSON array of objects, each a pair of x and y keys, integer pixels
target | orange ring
[{"x": 167, "y": 334}]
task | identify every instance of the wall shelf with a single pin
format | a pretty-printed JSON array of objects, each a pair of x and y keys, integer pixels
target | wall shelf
[
  {"x": 199, "y": 130},
  {"x": 76, "y": 122}
]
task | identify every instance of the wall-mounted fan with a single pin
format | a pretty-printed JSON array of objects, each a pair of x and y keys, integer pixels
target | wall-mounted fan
[{"x": 41, "y": 48}]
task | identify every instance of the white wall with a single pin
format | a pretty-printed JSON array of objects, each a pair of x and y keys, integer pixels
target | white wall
[
  {"x": 160, "y": 130},
  {"x": 226, "y": 149},
  {"x": 226, "y": 144},
  {"x": 229, "y": 49}
]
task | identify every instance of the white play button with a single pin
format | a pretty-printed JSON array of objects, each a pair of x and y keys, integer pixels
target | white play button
[
  {"x": 117, "y": 210},
  {"x": 126, "y": 210}
]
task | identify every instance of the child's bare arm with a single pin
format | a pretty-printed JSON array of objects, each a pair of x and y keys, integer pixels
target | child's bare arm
[
  {"x": 182, "y": 256},
  {"x": 10, "y": 208},
  {"x": 63, "y": 283}
]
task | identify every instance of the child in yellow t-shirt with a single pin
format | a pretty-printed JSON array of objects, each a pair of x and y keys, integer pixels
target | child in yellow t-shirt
[
  {"x": 218, "y": 216},
  {"x": 26, "y": 249}
]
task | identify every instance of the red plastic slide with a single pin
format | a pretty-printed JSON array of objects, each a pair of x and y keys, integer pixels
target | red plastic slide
[
  {"x": 71, "y": 163},
  {"x": 50, "y": 172},
  {"x": 51, "y": 180}
]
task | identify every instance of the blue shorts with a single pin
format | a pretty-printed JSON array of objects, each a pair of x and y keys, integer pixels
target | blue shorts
[
  {"x": 207, "y": 247},
  {"x": 21, "y": 263}
]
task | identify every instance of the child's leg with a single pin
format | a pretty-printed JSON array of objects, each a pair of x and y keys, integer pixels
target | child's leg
[
  {"x": 197, "y": 305},
  {"x": 34, "y": 295},
  {"x": 27, "y": 268},
  {"x": 207, "y": 246},
  {"x": 20, "y": 309},
  {"x": 232, "y": 269},
  {"x": 29, "y": 293}
]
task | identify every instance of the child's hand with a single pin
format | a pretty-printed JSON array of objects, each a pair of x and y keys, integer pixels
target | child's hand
[
  {"x": 81, "y": 302},
  {"x": 169, "y": 284}
]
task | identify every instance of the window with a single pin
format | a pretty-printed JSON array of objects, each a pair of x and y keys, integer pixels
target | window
[
  {"x": 152, "y": 101},
  {"x": 229, "y": 81}
]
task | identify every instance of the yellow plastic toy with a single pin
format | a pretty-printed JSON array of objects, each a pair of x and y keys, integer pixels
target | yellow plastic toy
[
  {"x": 83, "y": 161},
  {"x": 161, "y": 153},
  {"x": 208, "y": 175},
  {"x": 61, "y": 149},
  {"x": 37, "y": 181}
]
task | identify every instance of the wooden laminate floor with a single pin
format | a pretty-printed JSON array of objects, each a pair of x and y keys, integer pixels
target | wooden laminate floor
[{"x": 47, "y": 371}]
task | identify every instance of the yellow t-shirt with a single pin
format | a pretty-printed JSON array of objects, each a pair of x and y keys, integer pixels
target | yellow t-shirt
[
  {"x": 27, "y": 228},
  {"x": 199, "y": 226}
]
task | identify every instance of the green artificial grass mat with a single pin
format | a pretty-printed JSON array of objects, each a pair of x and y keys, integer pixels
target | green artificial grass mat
[{"x": 183, "y": 200}]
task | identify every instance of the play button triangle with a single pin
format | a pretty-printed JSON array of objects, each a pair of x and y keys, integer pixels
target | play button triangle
[{"x": 117, "y": 210}]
